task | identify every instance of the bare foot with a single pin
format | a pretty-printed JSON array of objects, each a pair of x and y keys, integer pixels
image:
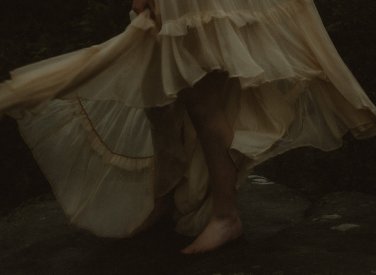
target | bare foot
[{"x": 217, "y": 233}]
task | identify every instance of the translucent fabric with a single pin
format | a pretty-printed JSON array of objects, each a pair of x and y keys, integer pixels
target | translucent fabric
[{"x": 83, "y": 113}]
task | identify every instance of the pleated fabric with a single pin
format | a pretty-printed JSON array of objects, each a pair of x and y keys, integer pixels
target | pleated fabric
[{"x": 86, "y": 115}]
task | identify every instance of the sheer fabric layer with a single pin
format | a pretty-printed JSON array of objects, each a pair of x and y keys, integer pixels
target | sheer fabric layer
[{"x": 286, "y": 87}]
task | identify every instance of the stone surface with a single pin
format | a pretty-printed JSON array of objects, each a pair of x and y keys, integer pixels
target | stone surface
[
  {"x": 36, "y": 239},
  {"x": 347, "y": 205},
  {"x": 269, "y": 208}
]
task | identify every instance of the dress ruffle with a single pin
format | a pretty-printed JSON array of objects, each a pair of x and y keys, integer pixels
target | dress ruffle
[
  {"x": 239, "y": 16},
  {"x": 182, "y": 25},
  {"x": 95, "y": 189},
  {"x": 129, "y": 133},
  {"x": 285, "y": 87}
]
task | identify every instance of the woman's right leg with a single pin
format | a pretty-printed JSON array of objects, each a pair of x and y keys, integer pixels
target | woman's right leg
[{"x": 206, "y": 110}]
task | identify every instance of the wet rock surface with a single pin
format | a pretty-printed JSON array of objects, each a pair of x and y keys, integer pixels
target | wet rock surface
[{"x": 284, "y": 234}]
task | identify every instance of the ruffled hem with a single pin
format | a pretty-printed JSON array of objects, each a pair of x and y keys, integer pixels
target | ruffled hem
[
  {"x": 182, "y": 25},
  {"x": 240, "y": 18},
  {"x": 109, "y": 146},
  {"x": 102, "y": 149},
  {"x": 154, "y": 69},
  {"x": 94, "y": 190},
  {"x": 255, "y": 55}
]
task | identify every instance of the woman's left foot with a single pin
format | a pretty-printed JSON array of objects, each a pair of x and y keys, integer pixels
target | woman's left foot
[{"x": 217, "y": 233}]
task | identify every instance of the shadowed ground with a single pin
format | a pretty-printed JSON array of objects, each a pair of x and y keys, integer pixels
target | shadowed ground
[{"x": 284, "y": 234}]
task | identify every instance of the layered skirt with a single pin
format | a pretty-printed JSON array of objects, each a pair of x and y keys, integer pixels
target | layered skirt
[{"x": 83, "y": 114}]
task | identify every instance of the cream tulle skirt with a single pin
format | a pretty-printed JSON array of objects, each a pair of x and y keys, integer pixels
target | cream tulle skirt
[{"x": 83, "y": 113}]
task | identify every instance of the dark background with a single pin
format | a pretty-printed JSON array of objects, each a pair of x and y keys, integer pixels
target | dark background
[{"x": 31, "y": 30}]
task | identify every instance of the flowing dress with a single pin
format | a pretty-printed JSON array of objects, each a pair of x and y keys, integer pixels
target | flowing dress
[{"x": 83, "y": 113}]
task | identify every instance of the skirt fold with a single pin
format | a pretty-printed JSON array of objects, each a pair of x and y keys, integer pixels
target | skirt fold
[{"x": 90, "y": 118}]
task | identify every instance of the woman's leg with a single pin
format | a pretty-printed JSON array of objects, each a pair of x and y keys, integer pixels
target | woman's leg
[
  {"x": 206, "y": 110},
  {"x": 170, "y": 161},
  {"x": 166, "y": 129}
]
